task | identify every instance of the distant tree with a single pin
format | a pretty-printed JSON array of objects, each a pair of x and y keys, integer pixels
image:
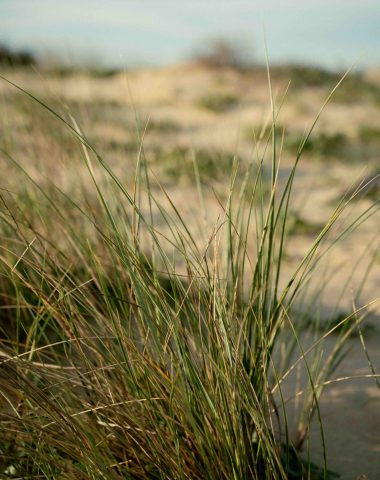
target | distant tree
[
  {"x": 16, "y": 58},
  {"x": 222, "y": 52}
]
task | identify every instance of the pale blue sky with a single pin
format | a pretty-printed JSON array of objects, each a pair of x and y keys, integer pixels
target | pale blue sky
[{"x": 121, "y": 32}]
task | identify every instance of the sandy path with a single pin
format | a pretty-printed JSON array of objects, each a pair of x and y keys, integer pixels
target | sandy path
[{"x": 351, "y": 417}]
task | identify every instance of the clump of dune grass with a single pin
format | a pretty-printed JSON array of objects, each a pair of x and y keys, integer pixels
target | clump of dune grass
[{"x": 130, "y": 350}]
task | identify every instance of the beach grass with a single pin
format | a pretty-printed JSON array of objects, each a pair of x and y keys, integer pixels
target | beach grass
[{"x": 136, "y": 346}]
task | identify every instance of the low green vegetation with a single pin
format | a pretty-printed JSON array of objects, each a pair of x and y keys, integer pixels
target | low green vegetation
[
  {"x": 218, "y": 103},
  {"x": 307, "y": 76},
  {"x": 368, "y": 187},
  {"x": 341, "y": 323},
  {"x": 369, "y": 135},
  {"x": 262, "y": 133},
  {"x": 323, "y": 145},
  {"x": 178, "y": 163},
  {"x": 355, "y": 87},
  {"x": 336, "y": 146},
  {"x": 163, "y": 126},
  {"x": 297, "y": 225}
]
